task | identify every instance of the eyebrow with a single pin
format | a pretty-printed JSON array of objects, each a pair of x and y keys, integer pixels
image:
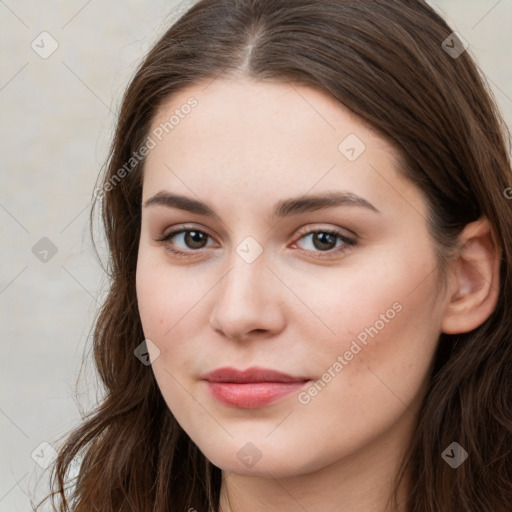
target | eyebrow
[{"x": 283, "y": 208}]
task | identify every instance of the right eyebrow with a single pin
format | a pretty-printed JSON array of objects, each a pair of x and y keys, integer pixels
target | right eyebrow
[{"x": 188, "y": 204}]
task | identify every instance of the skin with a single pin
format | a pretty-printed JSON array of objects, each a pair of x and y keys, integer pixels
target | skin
[{"x": 246, "y": 146}]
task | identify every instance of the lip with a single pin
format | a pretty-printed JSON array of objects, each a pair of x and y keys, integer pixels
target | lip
[{"x": 251, "y": 388}]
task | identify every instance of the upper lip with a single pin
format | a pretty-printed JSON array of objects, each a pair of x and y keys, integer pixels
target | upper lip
[{"x": 253, "y": 374}]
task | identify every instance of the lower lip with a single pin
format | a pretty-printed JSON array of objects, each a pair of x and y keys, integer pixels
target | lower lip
[{"x": 252, "y": 395}]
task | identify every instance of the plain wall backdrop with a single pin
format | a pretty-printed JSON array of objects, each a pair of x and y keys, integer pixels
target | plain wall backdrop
[{"x": 64, "y": 66}]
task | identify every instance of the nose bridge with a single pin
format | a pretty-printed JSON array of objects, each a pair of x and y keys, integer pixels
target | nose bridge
[
  {"x": 247, "y": 278},
  {"x": 244, "y": 300}
]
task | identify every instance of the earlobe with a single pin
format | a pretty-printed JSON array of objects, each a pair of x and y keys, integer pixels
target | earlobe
[{"x": 474, "y": 282}]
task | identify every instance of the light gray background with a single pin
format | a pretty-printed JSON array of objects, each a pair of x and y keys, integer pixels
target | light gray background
[{"x": 57, "y": 119}]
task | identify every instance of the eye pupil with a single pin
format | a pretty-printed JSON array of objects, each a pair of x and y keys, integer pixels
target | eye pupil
[
  {"x": 323, "y": 239},
  {"x": 195, "y": 239}
]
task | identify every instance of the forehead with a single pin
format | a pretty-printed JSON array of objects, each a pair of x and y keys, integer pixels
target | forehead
[
  {"x": 255, "y": 110},
  {"x": 274, "y": 139}
]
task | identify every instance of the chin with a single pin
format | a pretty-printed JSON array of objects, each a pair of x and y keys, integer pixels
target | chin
[{"x": 262, "y": 460}]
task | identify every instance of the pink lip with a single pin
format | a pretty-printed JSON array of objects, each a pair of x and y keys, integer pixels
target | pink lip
[{"x": 251, "y": 388}]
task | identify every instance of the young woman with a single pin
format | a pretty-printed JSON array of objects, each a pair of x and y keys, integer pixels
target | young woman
[{"x": 308, "y": 210}]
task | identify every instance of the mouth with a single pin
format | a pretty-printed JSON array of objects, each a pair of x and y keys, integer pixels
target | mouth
[{"x": 252, "y": 388}]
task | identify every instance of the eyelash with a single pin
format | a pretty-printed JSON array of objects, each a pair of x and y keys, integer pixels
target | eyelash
[{"x": 347, "y": 242}]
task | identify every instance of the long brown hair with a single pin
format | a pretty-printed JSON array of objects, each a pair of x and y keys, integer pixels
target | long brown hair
[{"x": 388, "y": 62}]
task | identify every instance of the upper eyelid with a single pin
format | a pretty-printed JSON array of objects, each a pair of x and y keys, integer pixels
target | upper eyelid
[
  {"x": 176, "y": 231},
  {"x": 338, "y": 230}
]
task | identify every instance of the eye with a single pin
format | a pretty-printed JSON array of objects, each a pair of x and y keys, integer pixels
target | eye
[
  {"x": 326, "y": 241},
  {"x": 191, "y": 239}
]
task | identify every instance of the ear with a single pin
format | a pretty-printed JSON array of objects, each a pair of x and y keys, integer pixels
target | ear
[{"x": 473, "y": 288}]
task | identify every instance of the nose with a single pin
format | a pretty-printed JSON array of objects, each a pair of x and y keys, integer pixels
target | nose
[{"x": 248, "y": 301}]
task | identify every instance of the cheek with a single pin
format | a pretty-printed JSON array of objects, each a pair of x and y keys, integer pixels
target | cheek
[
  {"x": 164, "y": 294},
  {"x": 387, "y": 326},
  {"x": 172, "y": 302},
  {"x": 373, "y": 303},
  {"x": 381, "y": 312},
  {"x": 167, "y": 301}
]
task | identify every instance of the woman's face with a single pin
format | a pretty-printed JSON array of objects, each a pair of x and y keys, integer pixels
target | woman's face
[{"x": 341, "y": 297}]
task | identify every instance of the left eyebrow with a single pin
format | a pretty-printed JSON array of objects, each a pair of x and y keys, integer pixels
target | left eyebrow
[
  {"x": 297, "y": 205},
  {"x": 283, "y": 208}
]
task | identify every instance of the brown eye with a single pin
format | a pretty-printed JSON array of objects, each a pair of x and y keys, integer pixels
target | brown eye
[
  {"x": 195, "y": 239},
  {"x": 324, "y": 241},
  {"x": 185, "y": 242}
]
